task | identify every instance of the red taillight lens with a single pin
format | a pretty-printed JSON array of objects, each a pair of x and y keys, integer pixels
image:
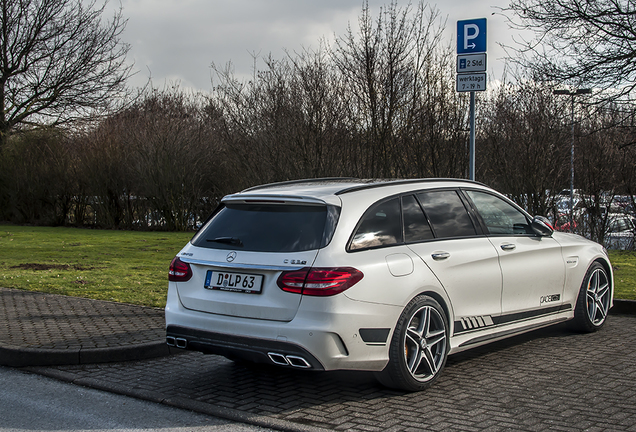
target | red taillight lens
[
  {"x": 319, "y": 281},
  {"x": 179, "y": 271}
]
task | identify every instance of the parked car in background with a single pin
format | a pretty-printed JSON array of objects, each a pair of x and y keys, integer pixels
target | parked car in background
[
  {"x": 621, "y": 229},
  {"x": 622, "y": 204},
  {"x": 383, "y": 276},
  {"x": 562, "y": 223}
]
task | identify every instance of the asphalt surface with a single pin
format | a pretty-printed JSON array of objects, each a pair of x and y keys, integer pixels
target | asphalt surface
[
  {"x": 548, "y": 379},
  {"x": 32, "y": 403}
]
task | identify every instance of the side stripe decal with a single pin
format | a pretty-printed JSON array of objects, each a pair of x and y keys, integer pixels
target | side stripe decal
[
  {"x": 469, "y": 323},
  {"x": 466, "y": 324}
]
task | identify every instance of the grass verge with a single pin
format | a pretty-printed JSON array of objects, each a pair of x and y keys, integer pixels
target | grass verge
[
  {"x": 624, "y": 265},
  {"x": 132, "y": 267},
  {"x": 123, "y": 266}
]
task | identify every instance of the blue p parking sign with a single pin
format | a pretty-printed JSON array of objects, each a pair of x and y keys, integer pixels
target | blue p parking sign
[{"x": 471, "y": 36}]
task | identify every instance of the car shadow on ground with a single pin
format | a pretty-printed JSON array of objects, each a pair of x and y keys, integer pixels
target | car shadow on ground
[{"x": 227, "y": 380}]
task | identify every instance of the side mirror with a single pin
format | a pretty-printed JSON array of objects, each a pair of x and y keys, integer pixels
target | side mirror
[{"x": 541, "y": 226}]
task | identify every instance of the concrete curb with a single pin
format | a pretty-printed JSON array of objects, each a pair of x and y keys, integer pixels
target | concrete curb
[
  {"x": 624, "y": 307},
  {"x": 179, "y": 402},
  {"x": 21, "y": 357}
]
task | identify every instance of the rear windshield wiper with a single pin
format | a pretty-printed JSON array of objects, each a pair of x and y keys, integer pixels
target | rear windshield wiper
[{"x": 227, "y": 240}]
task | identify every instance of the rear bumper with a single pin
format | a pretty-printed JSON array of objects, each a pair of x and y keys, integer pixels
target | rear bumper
[
  {"x": 246, "y": 348},
  {"x": 325, "y": 337}
]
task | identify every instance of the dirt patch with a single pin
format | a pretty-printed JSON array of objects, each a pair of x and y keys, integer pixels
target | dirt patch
[{"x": 41, "y": 267}]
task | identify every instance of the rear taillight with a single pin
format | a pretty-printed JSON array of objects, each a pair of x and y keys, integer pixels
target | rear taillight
[
  {"x": 319, "y": 281},
  {"x": 179, "y": 271}
]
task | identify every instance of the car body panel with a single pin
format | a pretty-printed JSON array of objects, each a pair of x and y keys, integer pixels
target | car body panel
[
  {"x": 530, "y": 287},
  {"x": 470, "y": 274},
  {"x": 271, "y": 304},
  {"x": 578, "y": 254}
]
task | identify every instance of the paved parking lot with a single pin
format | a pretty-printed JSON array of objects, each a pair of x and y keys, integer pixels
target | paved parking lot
[{"x": 548, "y": 379}]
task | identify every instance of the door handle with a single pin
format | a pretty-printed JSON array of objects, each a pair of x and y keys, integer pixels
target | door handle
[
  {"x": 439, "y": 256},
  {"x": 508, "y": 246}
]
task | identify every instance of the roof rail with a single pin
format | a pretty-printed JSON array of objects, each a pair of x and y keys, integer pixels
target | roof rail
[
  {"x": 389, "y": 182},
  {"x": 291, "y": 182}
]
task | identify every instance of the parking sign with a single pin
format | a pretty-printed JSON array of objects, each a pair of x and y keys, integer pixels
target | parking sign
[{"x": 471, "y": 36}]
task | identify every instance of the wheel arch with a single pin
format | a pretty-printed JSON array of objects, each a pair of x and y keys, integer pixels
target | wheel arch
[
  {"x": 608, "y": 268},
  {"x": 443, "y": 302}
]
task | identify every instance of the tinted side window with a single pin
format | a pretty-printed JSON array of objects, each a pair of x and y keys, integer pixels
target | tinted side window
[
  {"x": 447, "y": 214},
  {"x": 381, "y": 225},
  {"x": 498, "y": 215},
  {"x": 416, "y": 227}
]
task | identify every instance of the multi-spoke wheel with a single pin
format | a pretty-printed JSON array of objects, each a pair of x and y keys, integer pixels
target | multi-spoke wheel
[
  {"x": 419, "y": 346},
  {"x": 594, "y": 300}
]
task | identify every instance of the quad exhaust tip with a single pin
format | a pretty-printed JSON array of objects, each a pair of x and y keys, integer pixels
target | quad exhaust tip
[
  {"x": 176, "y": 342},
  {"x": 288, "y": 360},
  {"x": 276, "y": 358}
]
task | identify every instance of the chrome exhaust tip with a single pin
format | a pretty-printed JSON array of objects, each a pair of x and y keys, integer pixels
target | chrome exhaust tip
[
  {"x": 278, "y": 359},
  {"x": 289, "y": 360},
  {"x": 176, "y": 342},
  {"x": 298, "y": 362}
]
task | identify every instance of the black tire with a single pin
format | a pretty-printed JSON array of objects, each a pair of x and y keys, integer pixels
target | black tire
[
  {"x": 593, "y": 302},
  {"x": 419, "y": 346}
]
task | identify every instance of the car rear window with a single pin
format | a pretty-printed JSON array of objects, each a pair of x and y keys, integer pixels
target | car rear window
[{"x": 269, "y": 227}]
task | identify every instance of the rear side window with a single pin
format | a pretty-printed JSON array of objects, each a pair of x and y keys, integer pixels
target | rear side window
[
  {"x": 381, "y": 225},
  {"x": 416, "y": 227},
  {"x": 269, "y": 228},
  {"x": 447, "y": 214}
]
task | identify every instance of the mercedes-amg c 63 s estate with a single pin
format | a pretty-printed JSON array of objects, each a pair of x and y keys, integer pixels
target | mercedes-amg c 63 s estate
[{"x": 384, "y": 276}]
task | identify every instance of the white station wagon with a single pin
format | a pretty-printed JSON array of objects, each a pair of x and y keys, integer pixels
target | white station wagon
[{"x": 384, "y": 276}]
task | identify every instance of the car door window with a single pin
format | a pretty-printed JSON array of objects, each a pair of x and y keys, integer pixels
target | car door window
[
  {"x": 381, "y": 225},
  {"x": 447, "y": 214},
  {"x": 416, "y": 227},
  {"x": 499, "y": 216}
]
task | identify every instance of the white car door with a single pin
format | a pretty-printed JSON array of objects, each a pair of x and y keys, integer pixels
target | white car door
[
  {"x": 533, "y": 268},
  {"x": 466, "y": 264}
]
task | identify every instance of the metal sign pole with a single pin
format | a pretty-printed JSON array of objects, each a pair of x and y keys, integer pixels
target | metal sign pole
[
  {"x": 472, "y": 136},
  {"x": 572, "y": 173}
]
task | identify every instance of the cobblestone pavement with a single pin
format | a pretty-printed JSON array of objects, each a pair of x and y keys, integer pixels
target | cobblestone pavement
[
  {"x": 43, "y": 329},
  {"x": 547, "y": 379}
]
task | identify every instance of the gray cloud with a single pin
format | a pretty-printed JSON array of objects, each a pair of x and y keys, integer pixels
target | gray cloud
[{"x": 175, "y": 41}]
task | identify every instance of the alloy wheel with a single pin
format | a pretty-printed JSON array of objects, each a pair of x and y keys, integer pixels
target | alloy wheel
[
  {"x": 597, "y": 297},
  {"x": 425, "y": 343}
]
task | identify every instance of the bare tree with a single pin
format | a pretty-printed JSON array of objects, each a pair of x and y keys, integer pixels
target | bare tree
[
  {"x": 58, "y": 60},
  {"x": 579, "y": 41},
  {"x": 524, "y": 144},
  {"x": 383, "y": 67}
]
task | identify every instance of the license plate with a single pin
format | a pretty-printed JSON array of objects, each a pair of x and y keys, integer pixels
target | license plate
[{"x": 235, "y": 282}]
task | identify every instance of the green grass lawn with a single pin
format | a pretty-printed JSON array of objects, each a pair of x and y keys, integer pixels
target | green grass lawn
[
  {"x": 122, "y": 266},
  {"x": 624, "y": 265},
  {"x": 132, "y": 267}
]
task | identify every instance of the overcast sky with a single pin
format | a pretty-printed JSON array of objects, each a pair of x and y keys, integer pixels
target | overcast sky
[{"x": 175, "y": 41}]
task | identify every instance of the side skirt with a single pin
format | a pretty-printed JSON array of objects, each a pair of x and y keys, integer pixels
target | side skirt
[{"x": 478, "y": 325}]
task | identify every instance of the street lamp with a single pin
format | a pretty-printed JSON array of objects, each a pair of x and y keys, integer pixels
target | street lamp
[{"x": 572, "y": 93}]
